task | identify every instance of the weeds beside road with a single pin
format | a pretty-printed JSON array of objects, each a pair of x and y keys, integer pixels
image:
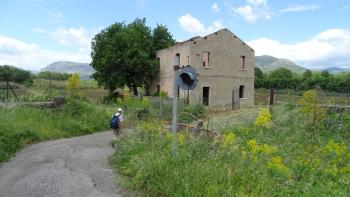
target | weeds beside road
[
  {"x": 267, "y": 157},
  {"x": 21, "y": 125}
]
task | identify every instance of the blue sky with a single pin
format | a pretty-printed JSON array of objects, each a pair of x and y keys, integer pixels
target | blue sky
[{"x": 315, "y": 34}]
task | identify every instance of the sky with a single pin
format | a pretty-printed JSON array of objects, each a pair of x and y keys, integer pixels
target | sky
[{"x": 313, "y": 33}]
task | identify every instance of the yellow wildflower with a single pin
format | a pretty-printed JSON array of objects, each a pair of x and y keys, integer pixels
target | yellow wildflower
[
  {"x": 276, "y": 164},
  {"x": 181, "y": 138},
  {"x": 339, "y": 149},
  {"x": 264, "y": 118},
  {"x": 229, "y": 139}
]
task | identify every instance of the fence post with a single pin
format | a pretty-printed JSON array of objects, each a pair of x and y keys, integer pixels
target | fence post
[
  {"x": 175, "y": 88},
  {"x": 272, "y": 95}
]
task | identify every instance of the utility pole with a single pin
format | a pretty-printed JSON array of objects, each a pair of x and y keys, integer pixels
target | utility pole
[
  {"x": 175, "y": 86},
  {"x": 7, "y": 90}
]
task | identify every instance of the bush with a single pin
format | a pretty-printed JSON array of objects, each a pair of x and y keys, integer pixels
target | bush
[{"x": 190, "y": 113}]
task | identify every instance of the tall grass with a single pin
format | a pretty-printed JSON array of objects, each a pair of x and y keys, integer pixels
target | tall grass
[
  {"x": 20, "y": 125},
  {"x": 274, "y": 159}
]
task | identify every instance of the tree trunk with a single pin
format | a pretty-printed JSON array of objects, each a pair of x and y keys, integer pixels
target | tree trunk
[{"x": 134, "y": 88}]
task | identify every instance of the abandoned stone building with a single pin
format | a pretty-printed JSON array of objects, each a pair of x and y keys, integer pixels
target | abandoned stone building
[{"x": 225, "y": 65}]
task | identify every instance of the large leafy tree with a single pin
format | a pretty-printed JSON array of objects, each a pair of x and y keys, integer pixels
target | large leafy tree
[{"x": 124, "y": 54}]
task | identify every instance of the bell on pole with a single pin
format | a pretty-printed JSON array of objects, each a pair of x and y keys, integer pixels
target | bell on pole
[{"x": 187, "y": 78}]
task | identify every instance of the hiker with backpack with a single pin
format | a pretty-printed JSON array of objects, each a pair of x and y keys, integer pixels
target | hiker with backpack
[{"x": 115, "y": 123}]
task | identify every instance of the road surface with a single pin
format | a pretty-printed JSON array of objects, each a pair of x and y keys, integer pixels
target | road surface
[{"x": 71, "y": 167}]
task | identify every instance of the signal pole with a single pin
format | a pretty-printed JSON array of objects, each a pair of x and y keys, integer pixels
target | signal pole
[{"x": 175, "y": 86}]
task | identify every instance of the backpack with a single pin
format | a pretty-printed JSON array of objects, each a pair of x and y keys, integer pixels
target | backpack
[{"x": 114, "y": 123}]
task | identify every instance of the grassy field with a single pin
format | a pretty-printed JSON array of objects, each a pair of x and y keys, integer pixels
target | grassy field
[
  {"x": 40, "y": 90},
  {"x": 250, "y": 156},
  {"x": 20, "y": 125}
]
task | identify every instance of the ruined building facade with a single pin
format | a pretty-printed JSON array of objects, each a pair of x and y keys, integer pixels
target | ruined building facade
[{"x": 225, "y": 65}]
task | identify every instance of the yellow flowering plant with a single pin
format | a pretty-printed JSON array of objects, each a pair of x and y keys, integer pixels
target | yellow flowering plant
[{"x": 264, "y": 118}]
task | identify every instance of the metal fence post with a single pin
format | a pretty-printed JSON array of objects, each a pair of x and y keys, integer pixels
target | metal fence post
[{"x": 175, "y": 87}]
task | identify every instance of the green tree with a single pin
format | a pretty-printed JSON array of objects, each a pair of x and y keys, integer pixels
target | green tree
[
  {"x": 307, "y": 74},
  {"x": 124, "y": 54},
  {"x": 14, "y": 74},
  {"x": 280, "y": 73},
  {"x": 162, "y": 37},
  {"x": 325, "y": 73},
  {"x": 258, "y": 73}
]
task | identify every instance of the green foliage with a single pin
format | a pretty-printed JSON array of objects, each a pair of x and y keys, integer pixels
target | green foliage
[
  {"x": 19, "y": 125},
  {"x": 124, "y": 54},
  {"x": 14, "y": 74},
  {"x": 241, "y": 161},
  {"x": 310, "y": 106},
  {"x": 281, "y": 73},
  {"x": 53, "y": 75},
  {"x": 189, "y": 113},
  {"x": 284, "y": 79},
  {"x": 258, "y": 73}
]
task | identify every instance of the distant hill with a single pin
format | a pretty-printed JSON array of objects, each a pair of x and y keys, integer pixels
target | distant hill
[
  {"x": 337, "y": 69},
  {"x": 83, "y": 69},
  {"x": 268, "y": 63}
]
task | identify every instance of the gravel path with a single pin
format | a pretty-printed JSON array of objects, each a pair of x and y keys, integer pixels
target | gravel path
[{"x": 71, "y": 167}]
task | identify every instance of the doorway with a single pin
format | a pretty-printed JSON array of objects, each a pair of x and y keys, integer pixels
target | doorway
[{"x": 206, "y": 96}]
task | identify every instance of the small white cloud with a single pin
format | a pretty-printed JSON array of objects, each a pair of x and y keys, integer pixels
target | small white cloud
[
  {"x": 194, "y": 26},
  {"x": 73, "y": 36},
  {"x": 299, "y": 8},
  {"x": 215, "y": 7},
  {"x": 328, "y": 48},
  {"x": 33, "y": 57},
  {"x": 55, "y": 14},
  {"x": 254, "y": 10},
  {"x": 247, "y": 13},
  {"x": 257, "y": 2}
]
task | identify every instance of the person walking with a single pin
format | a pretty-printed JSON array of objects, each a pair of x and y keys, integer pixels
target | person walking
[{"x": 116, "y": 123}]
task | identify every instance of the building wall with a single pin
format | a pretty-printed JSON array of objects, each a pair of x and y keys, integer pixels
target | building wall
[
  {"x": 166, "y": 61},
  {"x": 224, "y": 74}
]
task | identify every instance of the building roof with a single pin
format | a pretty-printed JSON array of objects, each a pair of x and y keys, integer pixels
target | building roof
[{"x": 197, "y": 38}]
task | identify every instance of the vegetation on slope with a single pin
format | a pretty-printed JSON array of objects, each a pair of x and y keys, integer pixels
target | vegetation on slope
[{"x": 274, "y": 155}]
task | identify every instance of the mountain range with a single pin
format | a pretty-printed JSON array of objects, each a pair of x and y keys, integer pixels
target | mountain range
[
  {"x": 269, "y": 63},
  {"x": 83, "y": 69},
  {"x": 265, "y": 62}
]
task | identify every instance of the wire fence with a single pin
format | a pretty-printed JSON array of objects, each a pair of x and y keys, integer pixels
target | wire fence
[{"x": 262, "y": 97}]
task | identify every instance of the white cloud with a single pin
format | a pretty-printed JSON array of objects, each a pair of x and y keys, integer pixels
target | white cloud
[
  {"x": 254, "y": 10},
  {"x": 194, "y": 26},
  {"x": 72, "y": 36},
  {"x": 33, "y": 57},
  {"x": 55, "y": 14},
  {"x": 299, "y": 8},
  {"x": 215, "y": 7},
  {"x": 257, "y": 2},
  {"x": 328, "y": 48}
]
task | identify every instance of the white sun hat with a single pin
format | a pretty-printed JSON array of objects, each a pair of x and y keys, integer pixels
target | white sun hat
[{"x": 120, "y": 110}]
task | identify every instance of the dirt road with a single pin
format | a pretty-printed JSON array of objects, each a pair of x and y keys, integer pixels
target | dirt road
[{"x": 67, "y": 167}]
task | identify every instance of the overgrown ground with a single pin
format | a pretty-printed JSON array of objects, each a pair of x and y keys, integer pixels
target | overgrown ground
[
  {"x": 247, "y": 158},
  {"x": 20, "y": 125}
]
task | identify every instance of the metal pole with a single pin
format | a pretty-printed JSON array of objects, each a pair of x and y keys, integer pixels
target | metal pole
[
  {"x": 7, "y": 90},
  {"x": 272, "y": 95},
  {"x": 50, "y": 89},
  {"x": 175, "y": 86}
]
